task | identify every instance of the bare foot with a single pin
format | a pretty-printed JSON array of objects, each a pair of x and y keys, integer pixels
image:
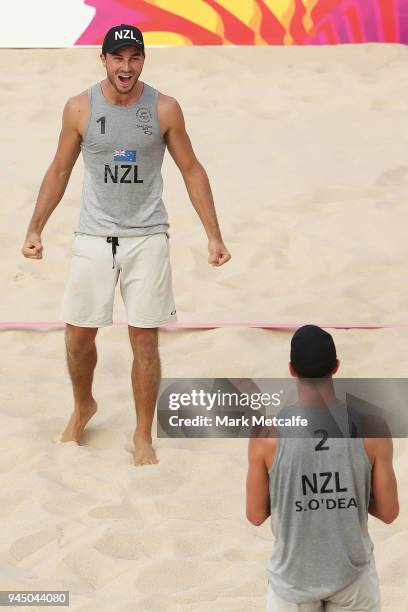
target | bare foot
[
  {"x": 144, "y": 453},
  {"x": 77, "y": 422}
]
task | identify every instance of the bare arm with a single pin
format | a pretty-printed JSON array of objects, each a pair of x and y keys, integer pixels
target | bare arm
[
  {"x": 384, "y": 495},
  {"x": 194, "y": 175},
  {"x": 55, "y": 180},
  {"x": 257, "y": 485}
]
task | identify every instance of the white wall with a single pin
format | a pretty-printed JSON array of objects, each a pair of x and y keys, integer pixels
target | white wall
[{"x": 43, "y": 23}]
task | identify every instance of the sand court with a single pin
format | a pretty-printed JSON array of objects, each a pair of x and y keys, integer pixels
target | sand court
[
  {"x": 168, "y": 537},
  {"x": 306, "y": 152}
]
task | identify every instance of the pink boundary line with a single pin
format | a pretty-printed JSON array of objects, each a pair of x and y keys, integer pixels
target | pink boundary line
[{"x": 215, "y": 325}]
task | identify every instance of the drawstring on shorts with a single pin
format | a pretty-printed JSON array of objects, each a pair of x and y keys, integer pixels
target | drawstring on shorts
[{"x": 115, "y": 242}]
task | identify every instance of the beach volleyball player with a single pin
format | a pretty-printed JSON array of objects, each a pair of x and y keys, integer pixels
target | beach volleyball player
[
  {"x": 319, "y": 491},
  {"x": 122, "y": 125}
]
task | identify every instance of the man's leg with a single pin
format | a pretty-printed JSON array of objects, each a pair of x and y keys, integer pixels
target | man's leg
[
  {"x": 81, "y": 361},
  {"x": 145, "y": 383}
]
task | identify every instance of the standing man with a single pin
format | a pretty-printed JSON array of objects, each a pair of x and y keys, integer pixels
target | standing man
[
  {"x": 319, "y": 492},
  {"x": 122, "y": 126}
]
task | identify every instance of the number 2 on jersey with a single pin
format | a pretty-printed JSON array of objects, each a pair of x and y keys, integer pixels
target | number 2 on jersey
[{"x": 320, "y": 445}]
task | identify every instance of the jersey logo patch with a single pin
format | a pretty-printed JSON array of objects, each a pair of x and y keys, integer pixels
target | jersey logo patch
[{"x": 143, "y": 114}]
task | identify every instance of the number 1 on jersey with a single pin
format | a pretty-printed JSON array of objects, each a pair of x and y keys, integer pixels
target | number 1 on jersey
[{"x": 101, "y": 120}]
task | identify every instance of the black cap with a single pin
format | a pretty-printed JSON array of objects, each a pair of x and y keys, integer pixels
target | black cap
[
  {"x": 122, "y": 35},
  {"x": 312, "y": 352}
]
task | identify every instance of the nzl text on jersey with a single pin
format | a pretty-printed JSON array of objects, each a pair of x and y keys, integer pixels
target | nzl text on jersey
[{"x": 128, "y": 155}]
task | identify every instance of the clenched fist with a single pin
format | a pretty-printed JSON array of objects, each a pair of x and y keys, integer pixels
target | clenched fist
[
  {"x": 32, "y": 247},
  {"x": 218, "y": 253}
]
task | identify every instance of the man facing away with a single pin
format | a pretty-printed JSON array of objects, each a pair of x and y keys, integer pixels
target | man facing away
[
  {"x": 122, "y": 126},
  {"x": 318, "y": 492}
]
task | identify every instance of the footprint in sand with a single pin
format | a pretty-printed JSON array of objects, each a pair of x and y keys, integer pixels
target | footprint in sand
[
  {"x": 123, "y": 511},
  {"x": 121, "y": 546},
  {"x": 89, "y": 566},
  {"x": 194, "y": 544},
  {"x": 179, "y": 575},
  {"x": 68, "y": 505},
  {"x": 163, "y": 484},
  {"x": 27, "y": 545},
  {"x": 103, "y": 439},
  {"x": 396, "y": 177}
]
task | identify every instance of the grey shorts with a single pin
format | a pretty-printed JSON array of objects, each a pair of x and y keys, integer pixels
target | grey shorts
[
  {"x": 362, "y": 595},
  {"x": 142, "y": 263}
]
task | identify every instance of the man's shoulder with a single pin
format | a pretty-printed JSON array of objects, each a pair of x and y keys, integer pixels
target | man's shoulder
[
  {"x": 169, "y": 112},
  {"x": 264, "y": 442},
  {"x": 262, "y": 450},
  {"x": 167, "y": 103},
  {"x": 75, "y": 113},
  {"x": 78, "y": 101},
  {"x": 378, "y": 448}
]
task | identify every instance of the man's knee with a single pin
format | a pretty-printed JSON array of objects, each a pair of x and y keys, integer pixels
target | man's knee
[
  {"x": 144, "y": 342},
  {"x": 79, "y": 340}
]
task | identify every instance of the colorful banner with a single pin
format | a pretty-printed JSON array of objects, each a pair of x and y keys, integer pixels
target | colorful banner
[
  {"x": 66, "y": 23},
  {"x": 252, "y": 22}
]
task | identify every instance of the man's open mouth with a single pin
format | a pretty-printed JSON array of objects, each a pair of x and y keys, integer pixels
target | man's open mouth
[{"x": 124, "y": 79}]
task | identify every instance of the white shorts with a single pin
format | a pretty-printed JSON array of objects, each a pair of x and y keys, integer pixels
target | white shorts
[
  {"x": 143, "y": 265},
  {"x": 362, "y": 595}
]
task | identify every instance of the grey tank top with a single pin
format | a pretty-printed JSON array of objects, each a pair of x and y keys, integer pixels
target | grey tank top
[
  {"x": 319, "y": 490},
  {"x": 123, "y": 150}
]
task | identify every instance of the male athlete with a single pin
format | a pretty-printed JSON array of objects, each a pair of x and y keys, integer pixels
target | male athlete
[
  {"x": 122, "y": 126},
  {"x": 318, "y": 492}
]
